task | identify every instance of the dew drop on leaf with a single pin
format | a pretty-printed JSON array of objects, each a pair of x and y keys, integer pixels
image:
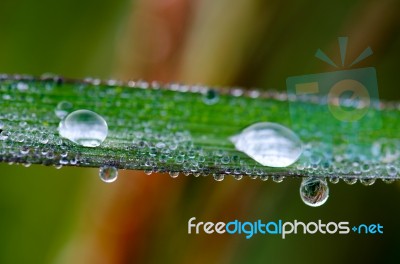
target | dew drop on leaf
[
  {"x": 63, "y": 108},
  {"x": 84, "y": 127},
  {"x": 210, "y": 97},
  {"x": 269, "y": 144}
]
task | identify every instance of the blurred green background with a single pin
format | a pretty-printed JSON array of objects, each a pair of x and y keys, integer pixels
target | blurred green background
[{"x": 69, "y": 216}]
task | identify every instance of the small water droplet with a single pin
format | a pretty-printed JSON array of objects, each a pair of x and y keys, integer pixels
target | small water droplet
[
  {"x": 160, "y": 145},
  {"x": 270, "y": 144},
  {"x": 64, "y": 161},
  {"x": 108, "y": 174},
  {"x": 219, "y": 177},
  {"x": 210, "y": 97},
  {"x": 367, "y": 181},
  {"x": 24, "y": 150},
  {"x": 350, "y": 180},
  {"x": 391, "y": 170},
  {"x": 388, "y": 180},
  {"x": 278, "y": 179},
  {"x": 148, "y": 172},
  {"x": 263, "y": 177},
  {"x": 84, "y": 127},
  {"x": 238, "y": 177},
  {"x": 63, "y": 108},
  {"x": 225, "y": 159},
  {"x": 4, "y": 135},
  {"x": 174, "y": 174},
  {"x": 334, "y": 179},
  {"x": 22, "y": 87},
  {"x": 314, "y": 191}
]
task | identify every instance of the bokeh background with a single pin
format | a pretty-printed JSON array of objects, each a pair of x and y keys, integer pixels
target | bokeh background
[{"x": 70, "y": 216}]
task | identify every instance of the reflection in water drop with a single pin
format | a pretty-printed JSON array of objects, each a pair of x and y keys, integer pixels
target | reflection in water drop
[
  {"x": 270, "y": 144},
  {"x": 84, "y": 127},
  {"x": 108, "y": 174},
  {"x": 314, "y": 191}
]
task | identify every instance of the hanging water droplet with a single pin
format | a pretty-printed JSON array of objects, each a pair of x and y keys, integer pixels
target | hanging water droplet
[
  {"x": 219, "y": 177},
  {"x": 270, "y": 144},
  {"x": 84, "y": 127},
  {"x": 314, "y": 191},
  {"x": 148, "y": 172},
  {"x": 63, "y": 108},
  {"x": 334, "y": 179},
  {"x": 278, "y": 178},
  {"x": 388, "y": 180},
  {"x": 108, "y": 174},
  {"x": 174, "y": 174},
  {"x": 238, "y": 177},
  {"x": 367, "y": 181},
  {"x": 264, "y": 177},
  {"x": 210, "y": 97},
  {"x": 350, "y": 180}
]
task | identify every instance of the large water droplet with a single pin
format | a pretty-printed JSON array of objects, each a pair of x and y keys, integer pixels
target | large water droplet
[
  {"x": 314, "y": 191},
  {"x": 84, "y": 127},
  {"x": 63, "y": 108},
  {"x": 108, "y": 174},
  {"x": 270, "y": 144}
]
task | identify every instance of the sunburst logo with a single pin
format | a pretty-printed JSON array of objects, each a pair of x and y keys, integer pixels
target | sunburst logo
[{"x": 344, "y": 96}]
